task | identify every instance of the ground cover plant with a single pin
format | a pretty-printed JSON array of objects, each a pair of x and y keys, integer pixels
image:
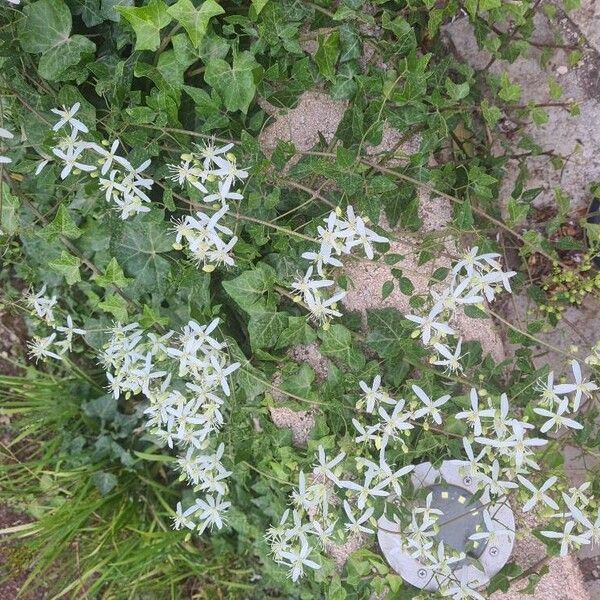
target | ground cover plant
[{"x": 165, "y": 265}]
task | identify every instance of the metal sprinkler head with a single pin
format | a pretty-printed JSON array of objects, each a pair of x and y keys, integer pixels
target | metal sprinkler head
[{"x": 453, "y": 491}]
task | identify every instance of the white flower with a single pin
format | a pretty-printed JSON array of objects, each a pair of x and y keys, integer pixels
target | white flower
[
  {"x": 556, "y": 419},
  {"x": 322, "y": 309},
  {"x": 228, "y": 170},
  {"x": 431, "y": 407},
  {"x": 494, "y": 530},
  {"x": 452, "y": 297},
  {"x": 298, "y": 559},
  {"x": 364, "y": 490},
  {"x": 326, "y": 467},
  {"x": 181, "y": 518},
  {"x": 450, "y": 360},
  {"x": 580, "y": 386},
  {"x": 6, "y": 134},
  {"x": 549, "y": 396},
  {"x": 496, "y": 486},
  {"x": 307, "y": 285},
  {"x": 40, "y": 347},
  {"x": 538, "y": 494},
  {"x": 428, "y": 324},
  {"x": 393, "y": 423},
  {"x": 67, "y": 116},
  {"x": 567, "y": 539},
  {"x": 374, "y": 395},
  {"x": 71, "y": 160},
  {"x": 367, "y": 434},
  {"x": 208, "y": 151},
  {"x": 474, "y": 415},
  {"x": 471, "y": 261},
  {"x": 356, "y": 525},
  {"x": 211, "y": 511}
]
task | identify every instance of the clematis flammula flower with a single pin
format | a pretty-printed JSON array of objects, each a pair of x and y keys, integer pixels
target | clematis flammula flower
[
  {"x": 298, "y": 559},
  {"x": 67, "y": 117},
  {"x": 428, "y": 324},
  {"x": 538, "y": 494},
  {"x": 326, "y": 466},
  {"x": 470, "y": 261},
  {"x": 567, "y": 539},
  {"x": 580, "y": 386},
  {"x": 557, "y": 419},
  {"x": 431, "y": 407},
  {"x": 450, "y": 360},
  {"x": 474, "y": 415},
  {"x": 357, "y": 524}
]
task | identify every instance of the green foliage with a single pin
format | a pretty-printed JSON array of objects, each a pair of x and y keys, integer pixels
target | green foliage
[{"x": 160, "y": 77}]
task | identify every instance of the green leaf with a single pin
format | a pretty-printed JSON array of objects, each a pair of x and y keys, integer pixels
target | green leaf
[
  {"x": 328, "y": 54},
  {"x": 116, "y": 306},
  {"x": 510, "y": 92},
  {"x": 248, "y": 289},
  {"x": 9, "y": 217},
  {"x": 235, "y": 84},
  {"x": 137, "y": 245},
  {"x": 193, "y": 20},
  {"x": 297, "y": 332},
  {"x": 517, "y": 212},
  {"x": 463, "y": 217},
  {"x": 386, "y": 289},
  {"x": 62, "y": 225},
  {"x": 405, "y": 34},
  {"x": 46, "y": 30},
  {"x": 266, "y": 328},
  {"x": 492, "y": 114},
  {"x": 104, "y": 482},
  {"x": 457, "y": 91},
  {"x": 67, "y": 265},
  {"x": 337, "y": 342},
  {"x": 258, "y": 5},
  {"x": 113, "y": 275},
  {"x": 47, "y": 24},
  {"x": 147, "y": 21},
  {"x": 387, "y": 332}
]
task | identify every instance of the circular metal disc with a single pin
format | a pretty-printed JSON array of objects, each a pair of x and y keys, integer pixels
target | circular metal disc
[{"x": 453, "y": 489}]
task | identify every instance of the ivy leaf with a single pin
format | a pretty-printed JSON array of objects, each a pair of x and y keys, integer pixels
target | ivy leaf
[
  {"x": 193, "y": 20},
  {"x": 9, "y": 215},
  {"x": 138, "y": 245},
  {"x": 258, "y": 5},
  {"x": 113, "y": 275},
  {"x": 235, "y": 84},
  {"x": 61, "y": 225},
  {"x": 463, "y": 218},
  {"x": 116, "y": 306},
  {"x": 405, "y": 34},
  {"x": 248, "y": 289},
  {"x": 67, "y": 265},
  {"x": 266, "y": 328},
  {"x": 47, "y": 24},
  {"x": 328, "y": 54},
  {"x": 297, "y": 332},
  {"x": 46, "y": 30},
  {"x": 147, "y": 21},
  {"x": 104, "y": 482},
  {"x": 387, "y": 332},
  {"x": 337, "y": 342}
]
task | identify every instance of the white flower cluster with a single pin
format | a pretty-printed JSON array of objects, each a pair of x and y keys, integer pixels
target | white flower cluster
[
  {"x": 504, "y": 463},
  {"x": 212, "y": 171},
  {"x": 124, "y": 186},
  {"x": 475, "y": 277},
  {"x": 339, "y": 237},
  {"x": 184, "y": 382},
  {"x": 7, "y": 135},
  {"x": 43, "y": 308}
]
